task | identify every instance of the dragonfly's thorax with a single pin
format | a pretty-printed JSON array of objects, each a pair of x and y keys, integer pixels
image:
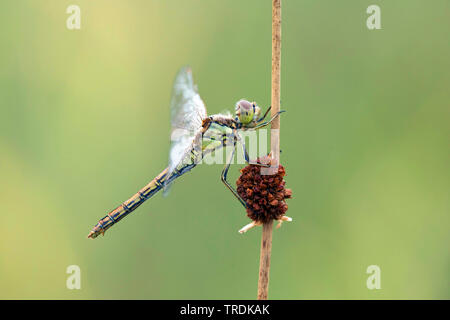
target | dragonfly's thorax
[
  {"x": 219, "y": 125},
  {"x": 217, "y": 130},
  {"x": 221, "y": 120}
]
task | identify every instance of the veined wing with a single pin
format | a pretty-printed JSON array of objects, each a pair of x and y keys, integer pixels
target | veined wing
[{"x": 187, "y": 113}]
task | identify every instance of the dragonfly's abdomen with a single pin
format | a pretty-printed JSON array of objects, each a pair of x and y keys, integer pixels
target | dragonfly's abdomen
[{"x": 130, "y": 205}]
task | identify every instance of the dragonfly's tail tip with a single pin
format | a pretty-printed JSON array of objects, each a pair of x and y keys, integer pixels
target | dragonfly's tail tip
[{"x": 91, "y": 235}]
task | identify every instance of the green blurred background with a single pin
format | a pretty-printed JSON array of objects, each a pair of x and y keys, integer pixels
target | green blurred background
[{"x": 84, "y": 123}]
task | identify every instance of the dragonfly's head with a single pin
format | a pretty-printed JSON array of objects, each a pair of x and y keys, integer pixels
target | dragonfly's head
[{"x": 247, "y": 112}]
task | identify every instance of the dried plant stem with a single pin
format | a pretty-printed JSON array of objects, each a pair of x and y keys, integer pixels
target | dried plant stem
[
  {"x": 264, "y": 262},
  {"x": 266, "y": 240}
]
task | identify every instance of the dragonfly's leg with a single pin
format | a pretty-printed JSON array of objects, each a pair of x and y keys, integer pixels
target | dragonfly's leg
[
  {"x": 265, "y": 114},
  {"x": 224, "y": 177},
  {"x": 247, "y": 157},
  {"x": 266, "y": 123},
  {"x": 283, "y": 218},
  {"x": 249, "y": 226}
]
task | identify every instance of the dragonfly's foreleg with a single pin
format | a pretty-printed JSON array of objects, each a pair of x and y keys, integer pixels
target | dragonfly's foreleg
[
  {"x": 265, "y": 114},
  {"x": 247, "y": 157},
  {"x": 225, "y": 173},
  {"x": 266, "y": 123}
]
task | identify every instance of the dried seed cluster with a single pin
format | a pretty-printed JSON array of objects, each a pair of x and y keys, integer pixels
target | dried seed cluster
[{"x": 264, "y": 194}]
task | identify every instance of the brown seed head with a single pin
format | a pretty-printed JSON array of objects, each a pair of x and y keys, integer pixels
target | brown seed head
[{"x": 264, "y": 194}]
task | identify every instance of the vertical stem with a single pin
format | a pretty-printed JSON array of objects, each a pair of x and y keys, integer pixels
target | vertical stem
[
  {"x": 276, "y": 71},
  {"x": 264, "y": 260},
  {"x": 266, "y": 239}
]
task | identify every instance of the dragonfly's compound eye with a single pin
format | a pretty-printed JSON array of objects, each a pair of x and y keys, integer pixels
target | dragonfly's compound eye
[{"x": 245, "y": 111}]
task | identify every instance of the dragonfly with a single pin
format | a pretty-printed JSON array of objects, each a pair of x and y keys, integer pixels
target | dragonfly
[{"x": 194, "y": 135}]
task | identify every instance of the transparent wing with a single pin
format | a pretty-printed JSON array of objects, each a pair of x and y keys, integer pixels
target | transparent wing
[
  {"x": 186, "y": 107},
  {"x": 187, "y": 113}
]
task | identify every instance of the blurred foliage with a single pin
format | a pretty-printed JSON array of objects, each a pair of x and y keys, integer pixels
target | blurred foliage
[{"x": 84, "y": 123}]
